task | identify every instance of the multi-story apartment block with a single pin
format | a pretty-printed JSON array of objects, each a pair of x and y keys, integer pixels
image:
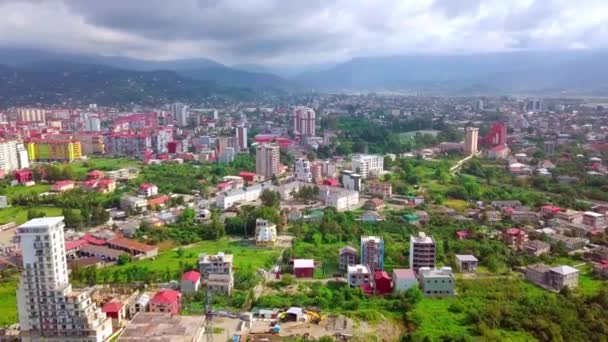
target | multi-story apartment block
[
  {"x": 304, "y": 121},
  {"x": 351, "y": 180},
  {"x": 49, "y": 310},
  {"x": 217, "y": 271},
  {"x": 348, "y": 257},
  {"x": 470, "y": 140},
  {"x": 339, "y": 198},
  {"x": 422, "y": 251},
  {"x": 267, "y": 160},
  {"x": 181, "y": 114},
  {"x": 54, "y": 149},
  {"x": 595, "y": 220},
  {"x": 372, "y": 252},
  {"x": 265, "y": 233},
  {"x": 241, "y": 136},
  {"x": 13, "y": 156},
  {"x": 368, "y": 164},
  {"x": 32, "y": 114},
  {"x": 90, "y": 143},
  {"x": 127, "y": 144},
  {"x": 302, "y": 170}
]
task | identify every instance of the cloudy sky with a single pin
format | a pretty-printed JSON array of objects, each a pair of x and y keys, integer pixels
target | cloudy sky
[{"x": 301, "y": 31}]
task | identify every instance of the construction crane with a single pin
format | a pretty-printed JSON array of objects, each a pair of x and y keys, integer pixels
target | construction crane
[{"x": 208, "y": 315}]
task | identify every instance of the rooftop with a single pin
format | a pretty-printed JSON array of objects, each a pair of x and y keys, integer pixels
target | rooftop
[
  {"x": 42, "y": 222},
  {"x": 303, "y": 263},
  {"x": 465, "y": 257},
  {"x": 162, "y": 327},
  {"x": 421, "y": 238},
  {"x": 564, "y": 270},
  {"x": 404, "y": 273}
]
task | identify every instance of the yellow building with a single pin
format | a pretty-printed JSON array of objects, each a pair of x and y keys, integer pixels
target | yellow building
[{"x": 54, "y": 150}]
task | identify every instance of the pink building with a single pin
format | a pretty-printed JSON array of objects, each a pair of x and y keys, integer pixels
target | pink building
[{"x": 514, "y": 237}]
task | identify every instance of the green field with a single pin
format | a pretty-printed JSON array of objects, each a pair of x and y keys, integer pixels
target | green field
[
  {"x": 20, "y": 190},
  {"x": 437, "y": 318},
  {"x": 245, "y": 256},
  {"x": 8, "y": 302},
  {"x": 19, "y": 214}
]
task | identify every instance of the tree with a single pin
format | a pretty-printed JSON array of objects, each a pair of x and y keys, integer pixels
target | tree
[
  {"x": 124, "y": 259},
  {"x": 270, "y": 198},
  {"x": 33, "y": 213}
]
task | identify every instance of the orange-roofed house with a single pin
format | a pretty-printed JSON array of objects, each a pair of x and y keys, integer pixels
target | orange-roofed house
[
  {"x": 133, "y": 247},
  {"x": 191, "y": 282}
]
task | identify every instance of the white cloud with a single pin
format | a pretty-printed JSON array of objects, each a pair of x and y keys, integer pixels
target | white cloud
[{"x": 299, "y": 32}]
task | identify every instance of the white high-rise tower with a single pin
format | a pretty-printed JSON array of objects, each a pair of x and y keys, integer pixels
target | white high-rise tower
[{"x": 49, "y": 310}]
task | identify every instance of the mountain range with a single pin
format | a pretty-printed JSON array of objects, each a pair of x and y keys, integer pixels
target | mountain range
[{"x": 571, "y": 72}]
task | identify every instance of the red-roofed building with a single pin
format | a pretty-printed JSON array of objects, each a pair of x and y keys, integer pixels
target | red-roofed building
[
  {"x": 160, "y": 201},
  {"x": 462, "y": 234},
  {"x": 331, "y": 182},
  {"x": 133, "y": 247},
  {"x": 106, "y": 185},
  {"x": 548, "y": 211},
  {"x": 191, "y": 282},
  {"x": 498, "y": 152},
  {"x": 63, "y": 186},
  {"x": 116, "y": 311},
  {"x": 93, "y": 240},
  {"x": 382, "y": 283},
  {"x": 23, "y": 176},
  {"x": 148, "y": 190},
  {"x": 514, "y": 237},
  {"x": 249, "y": 177},
  {"x": 166, "y": 301},
  {"x": 72, "y": 247}
]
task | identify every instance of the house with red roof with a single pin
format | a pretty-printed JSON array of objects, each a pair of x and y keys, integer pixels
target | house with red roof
[
  {"x": 63, "y": 186},
  {"x": 514, "y": 237},
  {"x": 23, "y": 176},
  {"x": 331, "y": 182},
  {"x": 549, "y": 211},
  {"x": 73, "y": 247},
  {"x": 382, "y": 283},
  {"x": 462, "y": 234},
  {"x": 191, "y": 282},
  {"x": 93, "y": 240},
  {"x": 166, "y": 301},
  {"x": 116, "y": 311},
  {"x": 148, "y": 190}
]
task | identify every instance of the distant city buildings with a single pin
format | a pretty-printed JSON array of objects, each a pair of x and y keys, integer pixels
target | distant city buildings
[
  {"x": 304, "y": 121},
  {"x": 267, "y": 160},
  {"x": 48, "y": 150},
  {"x": 27, "y": 115},
  {"x": 241, "y": 136},
  {"x": 181, "y": 114}
]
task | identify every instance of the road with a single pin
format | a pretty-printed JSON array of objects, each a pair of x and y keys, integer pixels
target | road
[{"x": 461, "y": 162}]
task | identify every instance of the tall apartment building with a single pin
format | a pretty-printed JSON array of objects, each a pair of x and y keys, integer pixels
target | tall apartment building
[
  {"x": 32, "y": 114},
  {"x": 90, "y": 143},
  {"x": 54, "y": 149},
  {"x": 302, "y": 170},
  {"x": 304, "y": 121},
  {"x": 127, "y": 144},
  {"x": 217, "y": 271},
  {"x": 241, "y": 136},
  {"x": 422, "y": 251},
  {"x": 49, "y": 310},
  {"x": 368, "y": 164},
  {"x": 92, "y": 124},
  {"x": 181, "y": 114},
  {"x": 267, "y": 160},
  {"x": 372, "y": 252},
  {"x": 13, "y": 155},
  {"x": 470, "y": 140}
]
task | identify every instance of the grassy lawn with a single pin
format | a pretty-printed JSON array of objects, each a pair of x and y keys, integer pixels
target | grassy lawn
[
  {"x": 245, "y": 256},
  {"x": 19, "y": 214},
  {"x": 456, "y": 204},
  {"x": 436, "y": 318},
  {"x": 8, "y": 301},
  {"x": 20, "y": 190}
]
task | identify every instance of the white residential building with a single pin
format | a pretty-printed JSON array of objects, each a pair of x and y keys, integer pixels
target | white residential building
[
  {"x": 49, "y": 310},
  {"x": 304, "y": 121},
  {"x": 358, "y": 275},
  {"x": 181, "y": 114},
  {"x": 352, "y": 181},
  {"x": 302, "y": 170},
  {"x": 265, "y": 233},
  {"x": 339, "y": 198},
  {"x": 227, "y": 199},
  {"x": 13, "y": 155},
  {"x": 368, "y": 164},
  {"x": 241, "y": 136}
]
